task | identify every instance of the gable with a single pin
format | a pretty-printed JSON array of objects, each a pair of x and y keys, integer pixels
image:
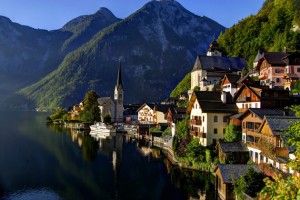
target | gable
[{"x": 246, "y": 94}]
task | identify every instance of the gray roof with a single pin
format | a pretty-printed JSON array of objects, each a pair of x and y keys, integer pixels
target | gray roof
[
  {"x": 278, "y": 124},
  {"x": 233, "y": 147},
  {"x": 261, "y": 112},
  {"x": 219, "y": 63},
  {"x": 229, "y": 172},
  {"x": 103, "y": 100}
]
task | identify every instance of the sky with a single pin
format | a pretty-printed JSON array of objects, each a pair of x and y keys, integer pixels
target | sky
[{"x": 53, "y": 14}]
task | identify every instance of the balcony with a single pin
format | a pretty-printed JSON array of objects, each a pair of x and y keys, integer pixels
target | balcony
[
  {"x": 252, "y": 144},
  {"x": 251, "y": 132},
  {"x": 263, "y": 77},
  {"x": 244, "y": 99},
  {"x": 193, "y": 133},
  {"x": 197, "y": 134},
  {"x": 196, "y": 122}
]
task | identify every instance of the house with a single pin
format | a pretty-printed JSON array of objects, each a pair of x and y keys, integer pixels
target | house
[
  {"x": 251, "y": 120},
  {"x": 209, "y": 69},
  {"x": 106, "y": 106},
  {"x": 146, "y": 114},
  {"x": 270, "y": 145},
  {"x": 226, "y": 174},
  {"x": 209, "y": 113},
  {"x": 278, "y": 68},
  {"x": 229, "y": 83},
  {"x": 233, "y": 152},
  {"x": 251, "y": 96},
  {"x": 130, "y": 113},
  {"x": 176, "y": 114},
  {"x": 76, "y": 110}
]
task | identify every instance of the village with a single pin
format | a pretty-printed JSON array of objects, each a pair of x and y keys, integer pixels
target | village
[{"x": 222, "y": 93}]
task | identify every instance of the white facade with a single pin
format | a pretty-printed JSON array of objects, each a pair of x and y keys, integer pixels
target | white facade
[
  {"x": 248, "y": 105},
  {"x": 146, "y": 115}
]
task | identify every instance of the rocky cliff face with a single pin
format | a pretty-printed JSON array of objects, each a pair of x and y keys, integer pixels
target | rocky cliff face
[{"x": 157, "y": 46}]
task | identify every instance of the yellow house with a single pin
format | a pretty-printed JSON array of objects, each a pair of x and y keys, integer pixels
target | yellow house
[{"x": 209, "y": 115}]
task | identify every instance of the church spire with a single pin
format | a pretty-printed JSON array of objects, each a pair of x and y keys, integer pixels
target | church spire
[{"x": 119, "y": 78}]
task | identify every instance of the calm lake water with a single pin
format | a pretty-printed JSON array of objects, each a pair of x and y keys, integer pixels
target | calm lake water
[{"x": 45, "y": 162}]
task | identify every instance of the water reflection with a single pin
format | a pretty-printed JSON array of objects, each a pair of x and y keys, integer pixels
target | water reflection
[
  {"x": 192, "y": 184},
  {"x": 73, "y": 165}
]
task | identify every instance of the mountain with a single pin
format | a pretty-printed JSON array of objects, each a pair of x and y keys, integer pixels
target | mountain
[
  {"x": 277, "y": 25},
  {"x": 86, "y": 26},
  {"x": 157, "y": 46},
  {"x": 28, "y": 54}
]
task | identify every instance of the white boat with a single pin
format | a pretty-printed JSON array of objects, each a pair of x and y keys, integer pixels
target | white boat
[{"x": 101, "y": 127}]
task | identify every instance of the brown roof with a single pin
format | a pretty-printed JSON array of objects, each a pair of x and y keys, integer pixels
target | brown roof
[{"x": 275, "y": 58}]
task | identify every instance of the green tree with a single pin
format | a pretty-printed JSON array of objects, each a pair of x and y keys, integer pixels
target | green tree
[
  {"x": 182, "y": 86},
  {"x": 58, "y": 114},
  {"x": 251, "y": 183},
  {"x": 91, "y": 111},
  {"x": 194, "y": 151},
  {"x": 167, "y": 132},
  {"x": 197, "y": 88},
  {"x": 232, "y": 133}
]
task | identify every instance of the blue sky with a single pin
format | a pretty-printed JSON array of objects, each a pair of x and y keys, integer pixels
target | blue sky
[{"x": 53, "y": 14}]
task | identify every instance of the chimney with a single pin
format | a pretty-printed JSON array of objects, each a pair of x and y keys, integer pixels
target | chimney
[{"x": 223, "y": 97}]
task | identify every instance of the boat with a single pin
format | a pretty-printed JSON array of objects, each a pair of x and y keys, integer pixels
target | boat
[{"x": 101, "y": 127}]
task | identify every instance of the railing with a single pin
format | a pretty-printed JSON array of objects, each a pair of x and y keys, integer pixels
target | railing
[
  {"x": 195, "y": 122},
  {"x": 251, "y": 132},
  {"x": 243, "y": 99},
  {"x": 263, "y": 76}
]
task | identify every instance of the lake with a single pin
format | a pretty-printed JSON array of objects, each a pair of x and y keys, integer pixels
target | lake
[{"x": 50, "y": 162}]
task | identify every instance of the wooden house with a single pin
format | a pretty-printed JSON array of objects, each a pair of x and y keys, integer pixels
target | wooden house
[
  {"x": 272, "y": 143},
  {"x": 249, "y": 96},
  {"x": 226, "y": 174}
]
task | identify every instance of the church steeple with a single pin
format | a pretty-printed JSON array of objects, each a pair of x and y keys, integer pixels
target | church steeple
[
  {"x": 119, "y": 96},
  {"x": 119, "y": 77}
]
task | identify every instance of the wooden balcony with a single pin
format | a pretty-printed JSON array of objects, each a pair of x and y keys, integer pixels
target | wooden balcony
[
  {"x": 196, "y": 122},
  {"x": 244, "y": 99},
  {"x": 251, "y": 132},
  {"x": 263, "y": 77},
  {"x": 252, "y": 144},
  {"x": 197, "y": 134}
]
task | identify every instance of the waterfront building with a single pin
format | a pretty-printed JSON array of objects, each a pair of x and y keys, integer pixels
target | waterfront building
[
  {"x": 209, "y": 115},
  {"x": 106, "y": 106},
  {"x": 226, "y": 174}
]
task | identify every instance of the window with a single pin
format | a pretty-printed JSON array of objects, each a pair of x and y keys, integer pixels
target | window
[
  {"x": 277, "y": 80},
  {"x": 224, "y": 130},
  {"x": 225, "y": 119},
  {"x": 277, "y": 70},
  {"x": 215, "y": 131},
  {"x": 298, "y": 69},
  {"x": 203, "y": 118},
  {"x": 215, "y": 118}
]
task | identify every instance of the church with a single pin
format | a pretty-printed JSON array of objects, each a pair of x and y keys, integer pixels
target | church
[
  {"x": 210, "y": 68},
  {"x": 113, "y": 107}
]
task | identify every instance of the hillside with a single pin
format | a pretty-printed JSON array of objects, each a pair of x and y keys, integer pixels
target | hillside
[
  {"x": 157, "y": 46},
  {"x": 274, "y": 27}
]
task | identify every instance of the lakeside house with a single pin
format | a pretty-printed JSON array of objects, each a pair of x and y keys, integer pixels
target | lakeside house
[
  {"x": 226, "y": 174},
  {"x": 209, "y": 115}
]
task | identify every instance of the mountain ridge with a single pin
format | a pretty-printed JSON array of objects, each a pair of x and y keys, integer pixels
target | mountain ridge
[{"x": 156, "y": 53}]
